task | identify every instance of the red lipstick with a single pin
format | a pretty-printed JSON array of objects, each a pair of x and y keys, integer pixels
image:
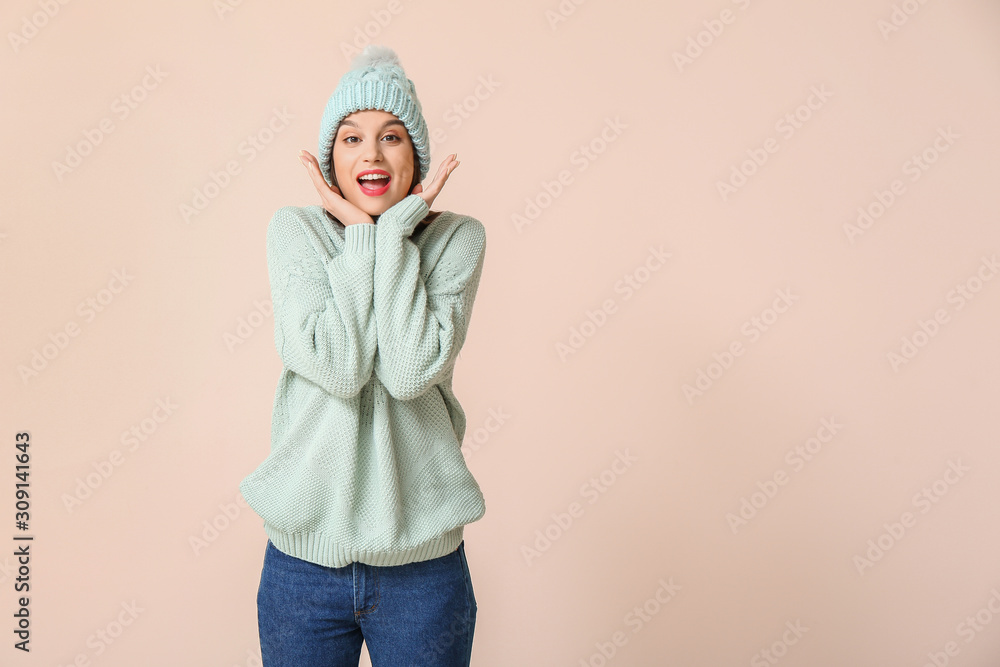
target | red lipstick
[{"x": 374, "y": 191}]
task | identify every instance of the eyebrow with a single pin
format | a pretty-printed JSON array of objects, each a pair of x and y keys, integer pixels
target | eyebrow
[{"x": 393, "y": 121}]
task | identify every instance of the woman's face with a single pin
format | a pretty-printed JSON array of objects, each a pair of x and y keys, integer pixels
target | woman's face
[{"x": 373, "y": 141}]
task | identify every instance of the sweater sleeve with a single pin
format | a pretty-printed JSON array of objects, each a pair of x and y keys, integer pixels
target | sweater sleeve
[
  {"x": 422, "y": 325},
  {"x": 324, "y": 318}
]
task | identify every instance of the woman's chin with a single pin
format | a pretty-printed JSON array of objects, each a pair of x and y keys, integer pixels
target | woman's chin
[{"x": 377, "y": 206}]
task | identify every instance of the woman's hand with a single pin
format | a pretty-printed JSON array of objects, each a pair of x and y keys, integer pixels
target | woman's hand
[
  {"x": 333, "y": 201},
  {"x": 434, "y": 189}
]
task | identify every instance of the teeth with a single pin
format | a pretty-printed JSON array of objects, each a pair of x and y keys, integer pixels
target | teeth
[{"x": 372, "y": 177}]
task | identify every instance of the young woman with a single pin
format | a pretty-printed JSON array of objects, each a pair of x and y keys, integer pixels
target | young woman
[{"x": 365, "y": 494}]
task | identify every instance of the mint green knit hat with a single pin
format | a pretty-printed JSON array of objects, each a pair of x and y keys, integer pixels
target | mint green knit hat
[{"x": 376, "y": 80}]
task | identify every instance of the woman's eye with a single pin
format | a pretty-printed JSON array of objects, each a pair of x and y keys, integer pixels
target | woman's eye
[{"x": 348, "y": 140}]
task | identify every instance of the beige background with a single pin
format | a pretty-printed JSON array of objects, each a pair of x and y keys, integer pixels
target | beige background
[{"x": 191, "y": 286}]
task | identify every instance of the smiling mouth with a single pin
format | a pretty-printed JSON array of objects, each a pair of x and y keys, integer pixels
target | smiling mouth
[{"x": 375, "y": 184}]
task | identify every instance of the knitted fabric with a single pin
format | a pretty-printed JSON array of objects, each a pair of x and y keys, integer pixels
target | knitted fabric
[{"x": 366, "y": 462}]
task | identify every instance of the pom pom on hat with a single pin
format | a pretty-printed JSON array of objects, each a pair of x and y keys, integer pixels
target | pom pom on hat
[{"x": 375, "y": 55}]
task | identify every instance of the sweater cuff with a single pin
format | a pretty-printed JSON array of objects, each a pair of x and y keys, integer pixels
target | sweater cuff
[
  {"x": 405, "y": 214},
  {"x": 359, "y": 238}
]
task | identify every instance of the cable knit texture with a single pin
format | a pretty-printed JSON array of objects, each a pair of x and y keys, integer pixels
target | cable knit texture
[{"x": 366, "y": 462}]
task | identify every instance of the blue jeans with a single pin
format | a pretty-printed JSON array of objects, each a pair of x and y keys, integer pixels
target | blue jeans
[{"x": 420, "y": 614}]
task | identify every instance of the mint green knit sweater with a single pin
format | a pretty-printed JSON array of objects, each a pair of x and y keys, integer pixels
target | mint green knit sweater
[{"x": 366, "y": 462}]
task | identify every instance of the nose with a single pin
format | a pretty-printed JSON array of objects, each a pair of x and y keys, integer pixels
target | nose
[{"x": 372, "y": 151}]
